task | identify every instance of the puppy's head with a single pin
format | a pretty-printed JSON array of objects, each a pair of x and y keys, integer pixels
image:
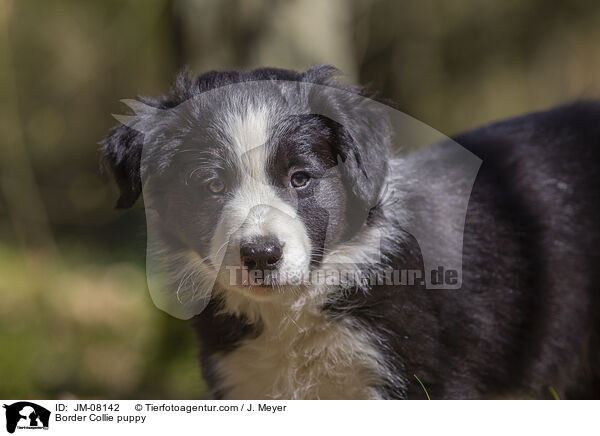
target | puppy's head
[{"x": 252, "y": 179}]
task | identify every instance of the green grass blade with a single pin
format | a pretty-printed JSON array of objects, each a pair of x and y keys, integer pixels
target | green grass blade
[{"x": 423, "y": 386}]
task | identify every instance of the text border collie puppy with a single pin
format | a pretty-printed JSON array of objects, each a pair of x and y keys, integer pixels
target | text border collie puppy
[{"x": 255, "y": 177}]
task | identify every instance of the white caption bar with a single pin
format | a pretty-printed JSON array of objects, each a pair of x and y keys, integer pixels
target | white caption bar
[{"x": 76, "y": 417}]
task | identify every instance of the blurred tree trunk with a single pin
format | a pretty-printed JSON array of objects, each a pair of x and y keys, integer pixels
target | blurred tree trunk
[
  {"x": 245, "y": 34},
  {"x": 17, "y": 180}
]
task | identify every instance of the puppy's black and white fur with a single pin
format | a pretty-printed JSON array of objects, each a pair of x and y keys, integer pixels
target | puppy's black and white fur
[{"x": 525, "y": 319}]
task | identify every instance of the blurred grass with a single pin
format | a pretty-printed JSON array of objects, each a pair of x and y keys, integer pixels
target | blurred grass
[{"x": 74, "y": 326}]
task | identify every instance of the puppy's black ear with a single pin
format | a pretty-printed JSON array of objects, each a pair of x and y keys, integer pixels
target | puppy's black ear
[
  {"x": 363, "y": 146},
  {"x": 122, "y": 153},
  {"x": 122, "y": 148},
  {"x": 362, "y": 134}
]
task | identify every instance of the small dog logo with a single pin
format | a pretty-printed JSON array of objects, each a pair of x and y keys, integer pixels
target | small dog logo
[{"x": 26, "y": 415}]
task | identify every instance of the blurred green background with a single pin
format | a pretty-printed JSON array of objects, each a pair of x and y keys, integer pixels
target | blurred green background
[{"x": 76, "y": 318}]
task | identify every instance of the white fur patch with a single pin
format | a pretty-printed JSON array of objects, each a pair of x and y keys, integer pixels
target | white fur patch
[{"x": 301, "y": 355}]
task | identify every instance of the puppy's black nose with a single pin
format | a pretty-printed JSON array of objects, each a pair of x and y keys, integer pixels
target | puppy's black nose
[{"x": 261, "y": 253}]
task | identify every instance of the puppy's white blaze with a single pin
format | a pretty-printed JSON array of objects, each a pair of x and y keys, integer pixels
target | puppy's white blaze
[
  {"x": 256, "y": 209},
  {"x": 247, "y": 130}
]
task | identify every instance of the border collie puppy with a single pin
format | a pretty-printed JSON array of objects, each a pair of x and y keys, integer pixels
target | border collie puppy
[{"x": 259, "y": 184}]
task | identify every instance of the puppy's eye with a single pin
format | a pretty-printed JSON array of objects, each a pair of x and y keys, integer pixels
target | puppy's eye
[
  {"x": 299, "y": 179},
  {"x": 216, "y": 186}
]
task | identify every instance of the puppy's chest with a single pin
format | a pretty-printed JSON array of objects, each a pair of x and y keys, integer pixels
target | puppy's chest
[{"x": 302, "y": 359}]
